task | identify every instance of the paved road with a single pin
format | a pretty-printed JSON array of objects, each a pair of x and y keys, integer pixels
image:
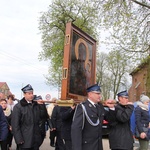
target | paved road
[{"x": 46, "y": 144}]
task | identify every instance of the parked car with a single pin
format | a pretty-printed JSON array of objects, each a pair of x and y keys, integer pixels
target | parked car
[{"x": 105, "y": 126}]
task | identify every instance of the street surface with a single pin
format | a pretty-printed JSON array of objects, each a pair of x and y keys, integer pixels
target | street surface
[{"x": 46, "y": 144}]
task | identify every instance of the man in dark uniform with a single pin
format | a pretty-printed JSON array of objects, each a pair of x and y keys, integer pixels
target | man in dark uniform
[
  {"x": 120, "y": 136},
  {"x": 66, "y": 116},
  {"x": 57, "y": 125},
  {"x": 86, "y": 130},
  {"x": 28, "y": 121}
]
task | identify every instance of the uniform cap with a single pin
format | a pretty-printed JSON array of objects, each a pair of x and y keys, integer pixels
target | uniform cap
[
  {"x": 123, "y": 94},
  {"x": 27, "y": 88},
  {"x": 37, "y": 97},
  {"x": 94, "y": 88}
]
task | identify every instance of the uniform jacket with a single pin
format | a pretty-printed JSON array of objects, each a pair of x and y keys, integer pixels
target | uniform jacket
[
  {"x": 120, "y": 136},
  {"x": 3, "y": 126},
  {"x": 28, "y": 123},
  {"x": 84, "y": 135},
  {"x": 66, "y": 115},
  {"x": 56, "y": 118}
]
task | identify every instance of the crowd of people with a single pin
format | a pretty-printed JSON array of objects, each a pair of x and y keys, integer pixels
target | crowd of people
[
  {"x": 78, "y": 127},
  {"x": 7, "y": 104}
]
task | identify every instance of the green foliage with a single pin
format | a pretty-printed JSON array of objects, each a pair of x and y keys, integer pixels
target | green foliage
[
  {"x": 118, "y": 66},
  {"x": 52, "y": 25},
  {"x": 148, "y": 78},
  {"x": 126, "y": 20},
  {"x": 145, "y": 61},
  {"x": 128, "y": 24},
  {"x": 112, "y": 72},
  {"x": 102, "y": 75}
]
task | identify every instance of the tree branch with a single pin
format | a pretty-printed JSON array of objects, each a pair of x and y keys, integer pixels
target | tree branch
[{"x": 142, "y": 4}]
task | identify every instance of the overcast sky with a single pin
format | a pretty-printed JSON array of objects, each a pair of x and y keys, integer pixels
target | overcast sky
[{"x": 20, "y": 44}]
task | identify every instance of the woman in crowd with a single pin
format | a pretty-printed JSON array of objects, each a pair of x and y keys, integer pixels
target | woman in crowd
[
  {"x": 3, "y": 129},
  {"x": 7, "y": 112},
  {"x": 11, "y": 102},
  {"x": 142, "y": 121}
]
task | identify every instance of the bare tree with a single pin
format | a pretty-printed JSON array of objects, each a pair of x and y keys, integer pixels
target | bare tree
[{"x": 118, "y": 65}]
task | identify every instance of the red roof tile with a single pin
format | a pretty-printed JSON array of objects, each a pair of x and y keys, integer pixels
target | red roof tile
[{"x": 2, "y": 83}]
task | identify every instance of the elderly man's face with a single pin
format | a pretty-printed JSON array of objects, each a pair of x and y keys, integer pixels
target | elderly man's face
[{"x": 95, "y": 97}]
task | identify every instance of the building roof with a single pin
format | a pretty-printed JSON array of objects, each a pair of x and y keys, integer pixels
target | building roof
[
  {"x": 140, "y": 66},
  {"x": 5, "y": 84},
  {"x": 2, "y": 83}
]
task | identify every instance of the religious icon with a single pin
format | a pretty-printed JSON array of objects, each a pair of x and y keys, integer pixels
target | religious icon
[{"x": 79, "y": 68}]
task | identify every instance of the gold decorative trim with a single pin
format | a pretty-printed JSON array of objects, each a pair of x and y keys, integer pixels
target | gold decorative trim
[
  {"x": 67, "y": 39},
  {"x": 65, "y": 73},
  {"x": 87, "y": 64}
]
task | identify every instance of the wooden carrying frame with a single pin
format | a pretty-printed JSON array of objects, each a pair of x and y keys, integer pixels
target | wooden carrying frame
[{"x": 79, "y": 63}]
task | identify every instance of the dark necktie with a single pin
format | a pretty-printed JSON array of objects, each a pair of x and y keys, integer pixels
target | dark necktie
[
  {"x": 97, "y": 108},
  {"x": 96, "y": 105}
]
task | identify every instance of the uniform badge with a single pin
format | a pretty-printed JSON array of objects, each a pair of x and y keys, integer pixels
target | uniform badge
[{"x": 90, "y": 105}]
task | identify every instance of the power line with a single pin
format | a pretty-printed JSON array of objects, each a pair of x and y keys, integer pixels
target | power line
[{"x": 18, "y": 59}]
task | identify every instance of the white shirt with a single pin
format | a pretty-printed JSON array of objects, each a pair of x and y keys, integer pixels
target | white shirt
[{"x": 91, "y": 102}]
